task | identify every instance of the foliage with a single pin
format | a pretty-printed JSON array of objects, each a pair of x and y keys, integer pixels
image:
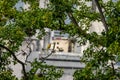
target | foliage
[
  {"x": 44, "y": 72},
  {"x": 7, "y": 75},
  {"x": 73, "y": 17},
  {"x": 102, "y": 54},
  {"x": 15, "y": 25}
]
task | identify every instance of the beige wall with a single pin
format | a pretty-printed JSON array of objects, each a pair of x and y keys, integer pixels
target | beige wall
[{"x": 61, "y": 44}]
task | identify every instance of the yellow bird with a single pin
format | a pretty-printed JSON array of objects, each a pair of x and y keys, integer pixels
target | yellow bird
[{"x": 48, "y": 46}]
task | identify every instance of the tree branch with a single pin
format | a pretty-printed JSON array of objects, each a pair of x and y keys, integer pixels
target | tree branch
[
  {"x": 101, "y": 15},
  {"x": 30, "y": 50},
  {"x": 44, "y": 58},
  {"x": 72, "y": 18},
  {"x": 113, "y": 69},
  {"x": 15, "y": 58},
  {"x": 83, "y": 33}
]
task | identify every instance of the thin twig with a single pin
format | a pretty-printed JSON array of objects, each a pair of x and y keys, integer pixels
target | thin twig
[
  {"x": 44, "y": 58},
  {"x": 30, "y": 50},
  {"x": 113, "y": 68}
]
